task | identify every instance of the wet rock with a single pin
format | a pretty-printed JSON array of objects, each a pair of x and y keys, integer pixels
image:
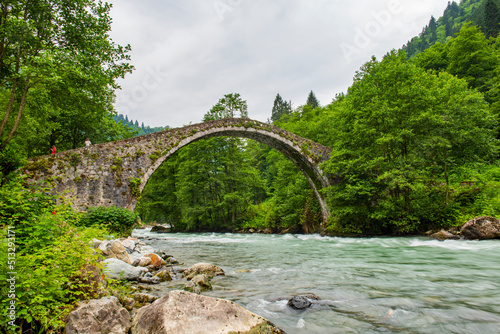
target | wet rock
[
  {"x": 160, "y": 229},
  {"x": 302, "y": 302},
  {"x": 149, "y": 280},
  {"x": 144, "y": 261},
  {"x": 444, "y": 235},
  {"x": 481, "y": 228},
  {"x": 163, "y": 255},
  {"x": 142, "y": 249},
  {"x": 105, "y": 315},
  {"x": 156, "y": 261},
  {"x": 182, "y": 312},
  {"x": 203, "y": 268},
  {"x": 144, "y": 298},
  {"x": 164, "y": 276},
  {"x": 199, "y": 284},
  {"x": 129, "y": 244},
  {"x": 120, "y": 270}
]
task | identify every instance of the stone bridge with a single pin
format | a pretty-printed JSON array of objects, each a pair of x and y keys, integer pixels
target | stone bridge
[{"x": 115, "y": 173}]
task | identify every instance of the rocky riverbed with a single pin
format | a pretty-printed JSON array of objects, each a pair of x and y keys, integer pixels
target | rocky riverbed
[{"x": 178, "y": 307}]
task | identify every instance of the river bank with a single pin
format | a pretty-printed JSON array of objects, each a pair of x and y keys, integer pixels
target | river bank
[{"x": 140, "y": 308}]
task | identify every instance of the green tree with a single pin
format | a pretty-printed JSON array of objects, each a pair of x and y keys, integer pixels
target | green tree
[
  {"x": 434, "y": 58},
  {"x": 400, "y": 134},
  {"x": 229, "y": 106},
  {"x": 472, "y": 58},
  {"x": 280, "y": 108},
  {"x": 56, "y": 62},
  {"x": 491, "y": 21},
  {"x": 312, "y": 100}
]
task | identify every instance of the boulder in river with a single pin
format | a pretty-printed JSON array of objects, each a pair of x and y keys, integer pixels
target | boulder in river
[
  {"x": 160, "y": 229},
  {"x": 120, "y": 270},
  {"x": 183, "y": 312},
  {"x": 302, "y": 302},
  {"x": 198, "y": 284},
  {"x": 164, "y": 275},
  {"x": 481, "y": 228},
  {"x": 105, "y": 315},
  {"x": 444, "y": 235},
  {"x": 208, "y": 269}
]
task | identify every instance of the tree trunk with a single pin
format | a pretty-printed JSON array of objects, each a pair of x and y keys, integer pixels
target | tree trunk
[{"x": 19, "y": 114}]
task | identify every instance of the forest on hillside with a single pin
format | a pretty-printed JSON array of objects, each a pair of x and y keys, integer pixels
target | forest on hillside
[
  {"x": 137, "y": 130},
  {"x": 482, "y": 13}
]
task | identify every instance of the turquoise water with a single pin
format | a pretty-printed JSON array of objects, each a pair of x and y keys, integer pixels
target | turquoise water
[{"x": 372, "y": 285}]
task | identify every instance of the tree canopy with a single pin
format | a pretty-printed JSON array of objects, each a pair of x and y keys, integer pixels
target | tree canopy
[{"x": 58, "y": 70}]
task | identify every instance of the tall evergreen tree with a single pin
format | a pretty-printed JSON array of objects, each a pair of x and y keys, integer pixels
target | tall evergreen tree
[
  {"x": 491, "y": 21},
  {"x": 312, "y": 100},
  {"x": 280, "y": 108},
  {"x": 433, "y": 30}
]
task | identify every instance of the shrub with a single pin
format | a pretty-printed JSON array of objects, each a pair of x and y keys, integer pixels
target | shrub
[
  {"x": 49, "y": 252},
  {"x": 116, "y": 220}
]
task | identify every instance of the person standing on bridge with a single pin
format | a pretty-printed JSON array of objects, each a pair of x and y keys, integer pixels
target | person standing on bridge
[
  {"x": 87, "y": 142},
  {"x": 53, "y": 149}
]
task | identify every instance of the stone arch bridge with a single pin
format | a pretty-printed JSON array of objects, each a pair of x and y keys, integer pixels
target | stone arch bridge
[{"x": 115, "y": 173}]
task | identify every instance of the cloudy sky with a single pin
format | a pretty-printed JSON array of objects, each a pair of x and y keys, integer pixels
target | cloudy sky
[{"x": 189, "y": 53}]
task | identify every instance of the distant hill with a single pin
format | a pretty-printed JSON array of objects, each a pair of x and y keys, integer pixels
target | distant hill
[
  {"x": 483, "y": 13},
  {"x": 139, "y": 129}
]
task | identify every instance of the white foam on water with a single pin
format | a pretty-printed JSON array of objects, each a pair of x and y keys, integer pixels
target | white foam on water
[
  {"x": 301, "y": 323},
  {"x": 457, "y": 244}
]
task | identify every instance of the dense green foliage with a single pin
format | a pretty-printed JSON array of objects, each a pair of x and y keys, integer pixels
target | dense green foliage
[
  {"x": 401, "y": 137},
  {"x": 483, "y": 13},
  {"x": 469, "y": 56},
  {"x": 50, "y": 251},
  {"x": 58, "y": 71},
  {"x": 119, "y": 221}
]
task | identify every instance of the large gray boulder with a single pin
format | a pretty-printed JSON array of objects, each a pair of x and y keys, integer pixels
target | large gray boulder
[
  {"x": 120, "y": 270},
  {"x": 183, "y": 312},
  {"x": 105, "y": 315},
  {"x": 481, "y": 228}
]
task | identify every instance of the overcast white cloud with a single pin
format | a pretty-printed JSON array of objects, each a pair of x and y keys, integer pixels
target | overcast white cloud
[{"x": 189, "y": 53}]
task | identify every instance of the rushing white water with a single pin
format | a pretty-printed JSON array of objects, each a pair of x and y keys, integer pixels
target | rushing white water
[{"x": 372, "y": 285}]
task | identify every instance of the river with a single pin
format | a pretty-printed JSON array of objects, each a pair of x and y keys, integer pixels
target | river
[{"x": 369, "y": 285}]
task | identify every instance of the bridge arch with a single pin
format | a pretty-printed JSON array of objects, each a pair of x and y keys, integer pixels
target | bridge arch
[{"x": 115, "y": 173}]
